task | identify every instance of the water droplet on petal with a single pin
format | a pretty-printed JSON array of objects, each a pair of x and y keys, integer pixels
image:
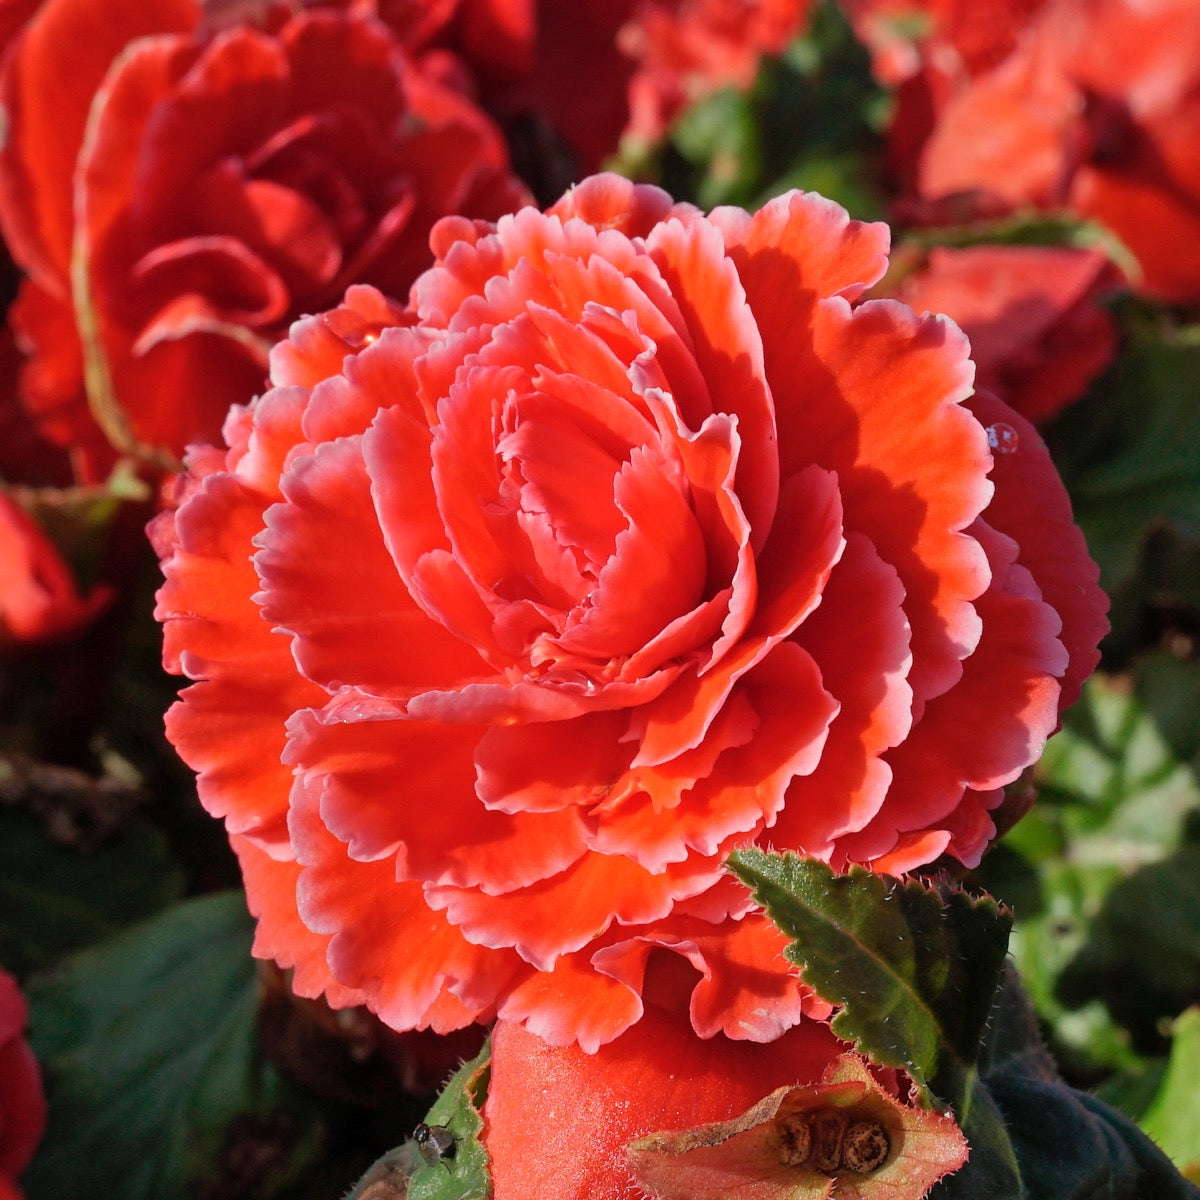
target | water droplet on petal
[{"x": 1002, "y": 438}]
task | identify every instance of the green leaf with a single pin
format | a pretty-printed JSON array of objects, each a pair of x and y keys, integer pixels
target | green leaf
[
  {"x": 462, "y": 1171},
  {"x": 1169, "y": 687},
  {"x": 57, "y": 899},
  {"x": 915, "y": 971},
  {"x": 155, "y": 1081},
  {"x": 812, "y": 119},
  {"x": 1107, "y": 850},
  {"x": 1144, "y": 968},
  {"x": 1173, "y": 1117},
  {"x": 719, "y": 138},
  {"x": 918, "y": 974}
]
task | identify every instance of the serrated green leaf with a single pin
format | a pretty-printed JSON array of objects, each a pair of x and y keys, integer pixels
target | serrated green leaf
[
  {"x": 57, "y": 899},
  {"x": 1173, "y": 1117},
  {"x": 466, "y": 1175},
  {"x": 915, "y": 971},
  {"x": 462, "y": 1172},
  {"x": 148, "y": 1044},
  {"x": 916, "y": 974}
]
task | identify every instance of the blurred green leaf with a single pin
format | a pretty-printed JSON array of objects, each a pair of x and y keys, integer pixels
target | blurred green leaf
[
  {"x": 156, "y": 1085},
  {"x": 1173, "y": 1117},
  {"x": 1169, "y": 687},
  {"x": 57, "y": 899},
  {"x": 1142, "y": 953},
  {"x": 719, "y": 138},
  {"x": 1092, "y": 870},
  {"x": 1029, "y": 228},
  {"x": 1129, "y": 453},
  {"x": 812, "y": 120}
]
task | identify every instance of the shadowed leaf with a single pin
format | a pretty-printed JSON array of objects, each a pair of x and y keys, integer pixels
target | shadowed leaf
[{"x": 154, "y": 1077}]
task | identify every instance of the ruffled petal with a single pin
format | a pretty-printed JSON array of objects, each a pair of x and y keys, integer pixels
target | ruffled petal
[
  {"x": 1031, "y": 506},
  {"x": 279, "y": 934},
  {"x": 879, "y": 402},
  {"x": 350, "y": 755},
  {"x": 859, "y": 637},
  {"x": 385, "y": 940},
  {"x": 993, "y": 724},
  {"x": 350, "y": 616},
  {"x": 229, "y": 726},
  {"x": 728, "y": 350},
  {"x": 564, "y": 913}
]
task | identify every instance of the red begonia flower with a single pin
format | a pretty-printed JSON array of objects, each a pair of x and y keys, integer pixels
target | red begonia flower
[
  {"x": 39, "y": 600},
  {"x": 1038, "y": 336},
  {"x": 1095, "y": 110},
  {"x": 631, "y": 541},
  {"x": 179, "y": 194},
  {"x": 22, "y": 1101}
]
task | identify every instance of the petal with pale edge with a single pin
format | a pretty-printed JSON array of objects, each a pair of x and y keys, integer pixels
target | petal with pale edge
[
  {"x": 844, "y": 1136},
  {"x": 280, "y": 935}
]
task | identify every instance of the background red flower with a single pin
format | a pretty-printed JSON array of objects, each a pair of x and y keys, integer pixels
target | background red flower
[
  {"x": 22, "y": 1102},
  {"x": 1094, "y": 110},
  {"x": 39, "y": 599},
  {"x": 178, "y": 195},
  {"x": 1038, "y": 333}
]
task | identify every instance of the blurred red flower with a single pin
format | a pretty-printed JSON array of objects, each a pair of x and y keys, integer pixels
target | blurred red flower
[
  {"x": 608, "y": 70},
  {"x": 958, "y": 38},
  {"x": 39, "y": 600},
  {"x": 22, "y": 1102},
  {"x": 1094, "y": 107},
  {"x": 177, "y": 195},
  {"x": 630, "y": 542},
  {"x": 1038, "y": 335}
]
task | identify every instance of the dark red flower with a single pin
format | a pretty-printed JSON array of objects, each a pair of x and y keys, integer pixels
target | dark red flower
[
  {"x": 178, "y": 195},
  {"x": 1038, "y": 336},
  {"x": 39, "y": 599},
  {"x": 629, "y": 542},
  {"x": 22, "y": 1102}
]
